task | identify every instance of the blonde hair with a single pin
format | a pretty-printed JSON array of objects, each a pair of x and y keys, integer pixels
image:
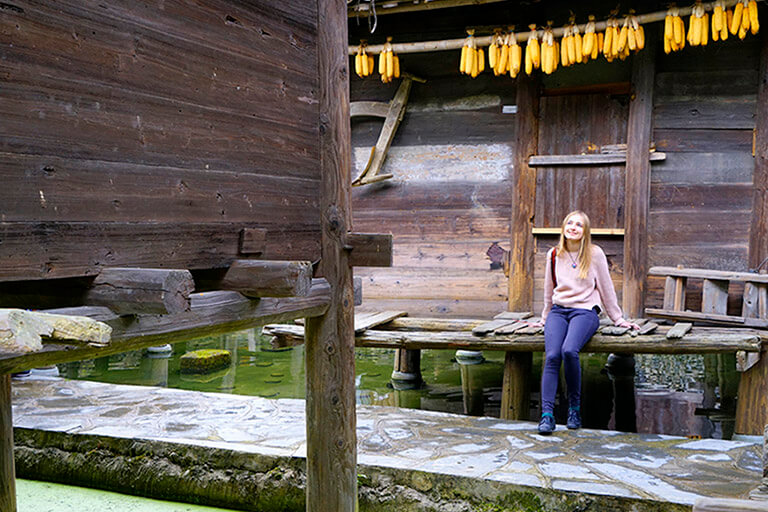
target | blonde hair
[{"x": 585, "y": 247}]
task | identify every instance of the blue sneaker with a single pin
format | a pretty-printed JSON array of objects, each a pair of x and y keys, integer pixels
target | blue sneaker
[
  {"x": 547, "y": 424},
  {"x": 574, "y": 419}
]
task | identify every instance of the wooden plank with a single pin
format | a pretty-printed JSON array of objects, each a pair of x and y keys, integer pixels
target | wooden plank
[
  {"x": 433, "y": 283},
  {"x": 593, "y": 231},
  {"x": 758, "y": 229},
  {"x": 488, "y": 327},
  {"x": 638, "y": 180},
  {"x": 513, "y": 315},
  {"x": 714, "y": 297},
  {"x": 363, "y": 324},
  {"x": 670, "y": 285},
  {"x": 369, "y": 249},
  {"x": 7, "y": 468},
  {"x": 595, "y": 159},
  {"x": 750, "y": 301},
  {"x": 647, "y": 328},
  {"x": 730, "y": 112},
  {"x": 330, "y": 339},
  {"x": 699, "y": 341},
  {"x": 728, "y": 505},
  {"x": 84, "y": 248},
  {"x": 136, "y": 291},
  {"x": 612, "y": 330},
  {"x": 210, "y": 314},
  {"x": 702, "y": 140},
  {"x": 259, "y": 278},
  {"x": 523, "y": 179},
  {"x": 409, "y": 323},
  {"x": 447, "y": 308},
  {"x": 515, "y": 387},
  {"x": 700, "y": 273},
  {"x": 704, "y": 317},
  {"x": 512, "y": 328},
  {"x": 357, "y": 284},
  {"x": 679, "y": 330},
  {"x": 253, "y": 240}
]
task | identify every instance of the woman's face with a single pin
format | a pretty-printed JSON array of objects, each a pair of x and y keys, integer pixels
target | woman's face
[{"x": 574, "y": 227}]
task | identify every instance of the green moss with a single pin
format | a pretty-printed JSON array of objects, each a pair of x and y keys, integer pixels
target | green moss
[{"x": 205, "y": 360}]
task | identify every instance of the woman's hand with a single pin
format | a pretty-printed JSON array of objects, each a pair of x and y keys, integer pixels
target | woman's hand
[
  {"x": 628, "y": 324},
  {"x": 535, "y": 323}
]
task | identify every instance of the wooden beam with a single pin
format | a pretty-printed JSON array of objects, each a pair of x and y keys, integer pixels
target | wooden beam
[
  {"x": 698, "y": 341},
  {"x": 523, "y": 179},
  {"x": 758, "y": 232},
  {"x": 368, "y": 108},
  {"x": 593, "y": 231},
  {"x": 253, "y": 240},
  {"x": 708, "y": 317},
  {"x": 637, "y": 183},
  {"x": 330, "y": 339},
  {"x": 701, "y": 273},
  {"x": 76, "y": 249},
  {"x": 210, "y": 314},
  {"x": 593, "y": 159},
  {"x": 258, "y": 278},
  {"x": 516, "y": 381},
  {"x": 410, "y": 6},
  {"x": 615, "y": 88},
  {"x": 136, "y": 291},
  {"x": 369, "y": 249},
  {"x": 7, "y": 468}
]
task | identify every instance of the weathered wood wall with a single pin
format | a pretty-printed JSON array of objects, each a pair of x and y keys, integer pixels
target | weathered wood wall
[
  {"x": 151, "y": 133},
  {"x": 449, "y": 200}
]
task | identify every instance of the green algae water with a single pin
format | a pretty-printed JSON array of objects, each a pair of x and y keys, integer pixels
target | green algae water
[
  {"x": 33, "y": 496},
  {"x": 677, "y": 395}
]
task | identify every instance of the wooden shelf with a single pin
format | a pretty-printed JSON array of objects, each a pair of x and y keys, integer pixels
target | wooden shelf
[
  {"x": 591, "y": 159},
  {"x": 594, "y": 231}
]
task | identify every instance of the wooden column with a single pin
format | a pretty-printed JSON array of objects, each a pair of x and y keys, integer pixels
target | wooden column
[
  {"x": 330, "y": 339},
  {"x": 638, "y": 181},
  {"x": 758, "y": 234},
  {"x": 523, "y": 179},
  {"x": 514, "y": 392},
  {"x": 7, "y": 470}
]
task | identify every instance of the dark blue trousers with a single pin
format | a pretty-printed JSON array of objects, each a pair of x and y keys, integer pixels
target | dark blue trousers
[{"x": 567, "y": 330}]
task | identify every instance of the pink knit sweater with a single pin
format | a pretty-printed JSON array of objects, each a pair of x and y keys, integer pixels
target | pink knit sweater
[{"x": 573, "y": 292}]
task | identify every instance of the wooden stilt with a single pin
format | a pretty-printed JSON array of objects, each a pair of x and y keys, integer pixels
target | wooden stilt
[
  {"x": 517, "y": 367},
  {"x": 7, "y": 471},
  {"x": 515, "y": 396},
  {"x": 752, "y": 405},
  {"x": 406, "y": 373},
  {"x": 330, "y": 339}
]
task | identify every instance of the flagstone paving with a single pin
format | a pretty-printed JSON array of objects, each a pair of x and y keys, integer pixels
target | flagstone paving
[{"x": 651, "y": 467}]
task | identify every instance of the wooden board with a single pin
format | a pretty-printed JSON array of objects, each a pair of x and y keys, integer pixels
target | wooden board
[{"x": 364, "y": 321}]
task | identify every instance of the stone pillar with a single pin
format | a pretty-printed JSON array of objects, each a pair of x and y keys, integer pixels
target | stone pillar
[{"x": 406, "y": 373}]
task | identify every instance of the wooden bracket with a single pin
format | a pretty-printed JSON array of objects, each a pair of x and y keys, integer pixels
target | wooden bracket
[
  {"x": 252, "y": 241},
  {"x": 394, "y": 114},
  {"x": 369, "y": 249}
]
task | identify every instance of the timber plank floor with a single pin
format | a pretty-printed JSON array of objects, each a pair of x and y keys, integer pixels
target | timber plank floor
[{"x": 419, "y": 447}]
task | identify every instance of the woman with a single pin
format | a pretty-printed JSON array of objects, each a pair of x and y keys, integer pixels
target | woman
[{"x": 577, "y": 284}]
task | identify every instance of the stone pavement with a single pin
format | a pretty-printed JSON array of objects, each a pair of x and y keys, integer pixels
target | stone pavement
[{"x": 657, "y": 468}]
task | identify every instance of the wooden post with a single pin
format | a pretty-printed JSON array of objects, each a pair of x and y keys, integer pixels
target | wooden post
[
  {"x": 637, "y": 187},
  {"x": 7, "y": 470},
  {"x": 259, "y": 278},
  {"x": 752, "y": 405},
  {"x": 517, "y": 366},
  {"x": 330, "y": 339},
  {"x": 406, "y": 373},
  {"x": 758, "y": 235},
  {"x": 134, "y": 291}
]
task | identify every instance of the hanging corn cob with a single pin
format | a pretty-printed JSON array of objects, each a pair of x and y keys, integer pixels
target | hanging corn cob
[
  {"x": 589, "y": 41},
  {"x": 389, "y": 63},
  {"x": 744, "y": 18},
  {"x": 698, "y": 26},
  {"x": 719, "y": 21},
  {"x": 494, "y": 52},
  {"x": 549, "y": 51},
  {"x": 363, "y": 61},
  {"x": 472, "y": 58},
  {"x": 611, "y": 39},
  {"x": 567, "y": 41},
  {"x": 674, "y": 31},
  {"x": 515, "y": 54},
  {"x": 635, "y": 32},
  {"x": 532, "y": 51}
]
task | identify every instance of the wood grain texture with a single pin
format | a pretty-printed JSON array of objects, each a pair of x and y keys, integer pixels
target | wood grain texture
[
  {"x": 161, "y": 112},
  {"x": 758, "y": 231},
  {"x": 523, "y": 180},
  {"x": 260, "y": 278},
  {"x": 752, "y": 405},
  {"x": 132, "y": 291},
  {"x": 637, "y": 188},
  {"x": 330, "y": 339},
  {"x": 7, "y": 469}
]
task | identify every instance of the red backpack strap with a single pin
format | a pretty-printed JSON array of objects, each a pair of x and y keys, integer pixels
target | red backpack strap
[{"x": 554, "y": 276}]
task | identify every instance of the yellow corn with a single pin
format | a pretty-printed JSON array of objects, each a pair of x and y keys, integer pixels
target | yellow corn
[
  {"x": 754, "y": 23},
  {"x": 735, "y": 23}
]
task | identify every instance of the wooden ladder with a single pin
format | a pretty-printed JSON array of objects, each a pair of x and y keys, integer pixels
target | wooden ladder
[{"x": 714, "y": 296}]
